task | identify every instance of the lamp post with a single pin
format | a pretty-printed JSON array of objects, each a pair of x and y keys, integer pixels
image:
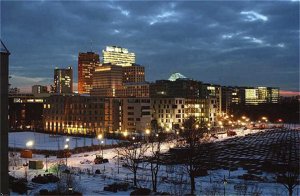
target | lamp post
[
  {"x": 46, "y": 156},
  {"x": 224, "y": 182},
  {"x": 66, "y": 153},
  {"x": 100, "y": 137},
  {"x": 29, "y": 144}
]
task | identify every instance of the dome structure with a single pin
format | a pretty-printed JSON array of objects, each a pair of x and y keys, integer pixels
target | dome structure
[{"x": 176, "y": 76}]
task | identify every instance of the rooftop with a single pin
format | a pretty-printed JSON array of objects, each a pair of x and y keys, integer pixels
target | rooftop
[{"x": 3, "y": 48}]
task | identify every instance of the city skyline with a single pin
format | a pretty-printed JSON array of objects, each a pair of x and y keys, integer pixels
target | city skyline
[{"x": 246, "y": 44}]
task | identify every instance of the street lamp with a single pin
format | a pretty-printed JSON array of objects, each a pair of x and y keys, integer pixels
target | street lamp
[
  {"x": 66, "y": 153},
  {"x": 147, "y": 131},
  {"x": 224, "y": 182},
  {"x": 29, "y": 144},
  {"x": 46, "y": 156}
]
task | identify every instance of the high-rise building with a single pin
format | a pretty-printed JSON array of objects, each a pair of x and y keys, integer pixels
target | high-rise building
[
  {"x": 106, "y": 80},
  {"x": 87, "y": 62},
  {"x": 63, "y": 80},
  {"x": 118, "y": 56},
  {"x": 133, "y": 74}
]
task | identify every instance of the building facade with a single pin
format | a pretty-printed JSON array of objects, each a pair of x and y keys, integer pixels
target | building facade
[
  {"x": 118, "y": 56},
  {"x": 40, "y": 91},
  {"x": 107, "y": 79},
  {"x": 170, "y": 113},
  {"x": 4, "y": 185},
  {"x": 63, "y": 80},
  {"x": 136, "y": 114},
  {"x": 134, "y": 90},
  {"x": 87, "y": 62},
  {"x": 214, "y": 91},
  {"x": 261, "y": 95},
  {"x": 85, "y": 115},
  {"x": 184, "y": 88},
  {"x": 133, "y": 74},
  {"x": 25, "y": 112}
]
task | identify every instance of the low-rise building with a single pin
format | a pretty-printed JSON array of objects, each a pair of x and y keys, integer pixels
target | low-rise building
[
  {"x": 170, "y": 113},
  {"x": 135, "y": 115},
  {"x": 88, "y": 115}
]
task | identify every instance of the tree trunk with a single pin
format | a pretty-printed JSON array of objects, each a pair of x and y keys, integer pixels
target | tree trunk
[
  {"x": 134, "y": 178},
  {"x": 192, "y": 184},
  {"x": 155, "y": 183},
  {"x": 290, "y": 191}
]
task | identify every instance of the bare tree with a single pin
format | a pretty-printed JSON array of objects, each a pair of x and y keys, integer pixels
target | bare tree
[
  {"x": 155, "y": 157},
  {"x": 133, "y": 155},
  {"x": 287, "y": 170},
  {"x": 192, "y": 135}
]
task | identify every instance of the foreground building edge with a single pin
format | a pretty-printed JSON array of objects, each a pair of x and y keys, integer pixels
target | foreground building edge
[{"x": 4, "y": 119}]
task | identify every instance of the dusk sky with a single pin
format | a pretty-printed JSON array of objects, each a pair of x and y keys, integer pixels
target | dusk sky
[{"x": 229, "y": 43}]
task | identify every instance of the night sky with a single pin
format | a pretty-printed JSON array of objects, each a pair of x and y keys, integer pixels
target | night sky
[{"x": 229, "y": 43}]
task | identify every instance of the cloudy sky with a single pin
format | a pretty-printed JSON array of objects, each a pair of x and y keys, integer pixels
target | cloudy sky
[{"x": 228, "y": 43}]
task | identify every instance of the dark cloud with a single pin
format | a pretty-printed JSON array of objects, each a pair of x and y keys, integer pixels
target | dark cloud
[{"x": 230, "y": 43}]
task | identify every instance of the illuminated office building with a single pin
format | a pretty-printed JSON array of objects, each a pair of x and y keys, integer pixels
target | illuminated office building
[
  {"x": 107, "y": 79},
  {"x": 63, "y": 80},
  {"x": 261, "y": 95},
  {"x": 87, "y": 62},
  {"x": 248, "y": 96},
  {"x": 118, "y": 56}
]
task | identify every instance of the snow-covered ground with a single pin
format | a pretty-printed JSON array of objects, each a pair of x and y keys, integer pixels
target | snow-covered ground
[
  {"x": 52, "y": 142},
  {"x": 172, "y": 179}
]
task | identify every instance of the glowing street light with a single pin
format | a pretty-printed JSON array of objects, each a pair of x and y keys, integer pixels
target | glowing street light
[
  {"x": 67, "y": 139},
  {"x": 125, "y": 134},
  {"x": 29, "y": 143},
  {"x": 66, "y": 153},
  {"x": 100, "y": 136},
  {"x": 147, "y": 131},
  {"x": 197, "y": 126}
]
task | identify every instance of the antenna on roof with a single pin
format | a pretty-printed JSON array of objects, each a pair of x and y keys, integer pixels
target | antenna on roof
[{"x": 91, "y": 45}]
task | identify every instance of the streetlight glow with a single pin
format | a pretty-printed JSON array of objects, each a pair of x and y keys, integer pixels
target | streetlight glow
[
  {"x": 66, "y": 146},
  {"x": 100, "y": 136},
  {"x": 29, "y": 143},
  {"x": 68, "y": 139},
  {"x": 147, "y": 131}
]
